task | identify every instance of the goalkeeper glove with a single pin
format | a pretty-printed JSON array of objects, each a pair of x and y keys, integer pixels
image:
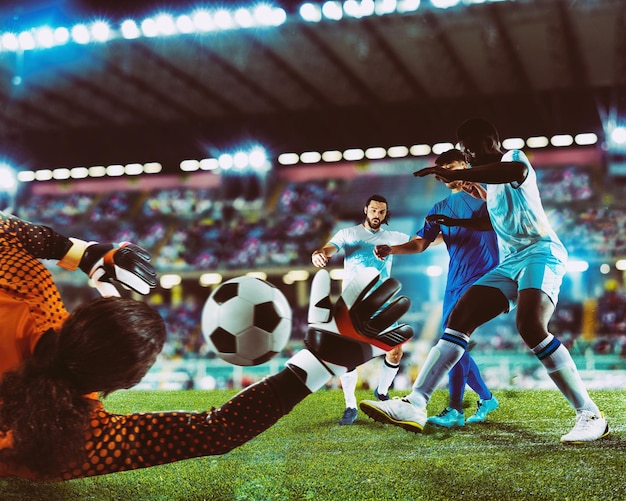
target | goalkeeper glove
[
  {"x": 125, "y": 263},
  {"x": 359, "y": 327}
]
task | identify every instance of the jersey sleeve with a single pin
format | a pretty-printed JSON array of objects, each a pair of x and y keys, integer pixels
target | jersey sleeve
[
  {"x": 39, "y": 241},
  {"x": 430, "y": 230}
]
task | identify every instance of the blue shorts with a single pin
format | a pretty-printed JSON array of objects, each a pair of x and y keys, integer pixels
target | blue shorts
[{"x": 529, "y": 269}]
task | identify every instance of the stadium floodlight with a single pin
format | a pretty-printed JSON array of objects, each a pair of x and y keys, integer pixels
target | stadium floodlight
[
  {"x": 10, "y": 41},
  {"x": 152, "y": 168},
  {"x": 444, "y": 4},
  {"x": 407, "y": 6},
  {"x": 223, "y": 20},
  {"x": 332, "y": 156},
  {"x": 440, "y": 148},
  {"x": 149, "y": 28},
  {"x": 80, "y": 34},
  {"x": 261, "y": 275},
  {"x": 44, "y": 37},
  {"x": 115, "y": 170},
  {"x": 61, "y": 35},
  {"x": 208, "y": 279},
  {"x": 332, "y": 10},
  {"x": 288, "y": 158},
  {"x": 169, "y": 280},
  {"x": 586, "y": 139},
  {"x": 352, "y": 8},
  {"x": 100, "y": 31},
  {"x": 97, "y": 171},
  {"x": 25, "y": 176},
  {"x": 130, "y": 30},
  {"x": 384, "y": 7},
  {"x": 537, "y": 142},
  {"x": 43, "y": 175},
  {"x": 620, "y": 264},
  {"x": 398, "y": 151},
  {"x": 133, "y": 169},
  {"x": 561, "y": 140},
  {"x": 513, "y": 143},
  {"x": 618, "y": 135},
  {"x": 434, "y": 270},
  {"x": 241, "y": 160},
  {"x": 184, "y": 24},
  {"x": 420, "y": 150},
  {"x": 577, "y": 266},
  {"x": 226, "y": 161},
  {"x": 605, "y": 269},
  {"x": 257, "y": 158},
  {"x": 310, "y": 13},
  {"x": 209, "y": 164},
  {"x": 189, "y": 165},
  {"x": 266, "y": 15},
  {"x": 202, "y": 21},
  {"x": 353, "y": 154},
  {"x": 244, "y": 18},
  {"x": 26, "y": 40},
  {"x": 79, "y": 172},
  {"x": 310, "y": 157},
  {"x": 8, "y": 179},
  {"x": 61, "y": 174},
  {"x": 165, "y": 24},
  {"x": 375, "y": 153}
]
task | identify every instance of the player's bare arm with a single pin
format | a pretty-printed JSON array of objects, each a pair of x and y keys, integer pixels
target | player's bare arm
[
  {"x": 492, "y": 173},
  {"x": 320, "y": 257},
  {"x": 414, "y": 246}
]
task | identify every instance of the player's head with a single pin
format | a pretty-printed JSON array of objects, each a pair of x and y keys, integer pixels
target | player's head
[
  {"x": 376, "y": 212},
  {"x": 452, "y": 159},
  {"x": 108, "y": 344},
  {"x": 478, "y": 137}
]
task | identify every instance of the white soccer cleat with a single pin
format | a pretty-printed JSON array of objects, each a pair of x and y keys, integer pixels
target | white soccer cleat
[
  {"x": 589, "y": 427},
  {"x": 397, "y": 411}
]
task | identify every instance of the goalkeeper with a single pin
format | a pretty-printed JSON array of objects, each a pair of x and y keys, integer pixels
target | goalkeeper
[{"x": 55, "y": 366}]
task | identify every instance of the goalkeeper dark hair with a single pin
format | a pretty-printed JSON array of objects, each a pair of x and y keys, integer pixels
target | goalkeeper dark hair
[
  {"x": 450, "y": 156},
  {"x": 381, "y": 199},
  {"x": 106, "y": 345}
]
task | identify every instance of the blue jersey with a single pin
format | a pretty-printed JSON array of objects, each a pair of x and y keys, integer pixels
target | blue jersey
[
  {"x": 358, "y": 245},
  {"x": 472, "y": 253}
]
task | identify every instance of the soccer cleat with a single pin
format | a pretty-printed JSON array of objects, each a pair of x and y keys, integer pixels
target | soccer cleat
[
  {"x": 349, "y": 416},
  {"x": 383, "y": 397},
  {"x": 589, "y": 427},
  {"x": 484, "y": 408},
  {"x": 448, "y": 418},
  {"x": 397, "y": 411}
]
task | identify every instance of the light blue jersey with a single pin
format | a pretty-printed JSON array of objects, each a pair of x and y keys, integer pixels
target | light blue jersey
[{"x": 358, "y": 245}]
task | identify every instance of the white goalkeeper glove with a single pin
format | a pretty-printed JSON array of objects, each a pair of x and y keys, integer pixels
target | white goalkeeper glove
[
  {"x": 351, "y": 332},
  {"x": 124, "y": 263}
]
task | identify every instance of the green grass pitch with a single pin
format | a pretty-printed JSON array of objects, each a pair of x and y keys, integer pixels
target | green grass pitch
[{"x": 515, "y": 455}]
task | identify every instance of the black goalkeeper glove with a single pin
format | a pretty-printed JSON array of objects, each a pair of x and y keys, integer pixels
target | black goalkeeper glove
[{"x": 359, "y": 327}]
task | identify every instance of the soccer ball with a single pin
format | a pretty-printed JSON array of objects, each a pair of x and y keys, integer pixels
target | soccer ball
[{"x": 246, "y": 321}]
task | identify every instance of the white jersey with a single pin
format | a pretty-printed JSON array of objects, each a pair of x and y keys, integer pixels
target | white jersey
[
  {"x": 358, "y": 245},
  {"x": 518, "y": 217}
]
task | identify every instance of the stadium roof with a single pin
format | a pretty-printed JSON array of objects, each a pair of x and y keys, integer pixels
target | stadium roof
[{"x": 535, "y": 67}]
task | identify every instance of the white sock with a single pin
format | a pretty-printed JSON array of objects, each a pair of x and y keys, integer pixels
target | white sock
[
  {"x": 387, "y": 374},
  {"x": 348, "y": 383},
  {"x": 562, "y": 370},
  {"x": 441, "y": 358}
]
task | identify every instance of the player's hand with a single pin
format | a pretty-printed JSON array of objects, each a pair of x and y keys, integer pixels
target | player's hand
[
  {"x": 476, "y": 190},
  {"x": 382, "y": 251},
  {"x": 124, "y": 263},
  {"x": 440, "y": 219},
  {"x": 360, "y": 325},
  {"x": 319, "y": 259}
]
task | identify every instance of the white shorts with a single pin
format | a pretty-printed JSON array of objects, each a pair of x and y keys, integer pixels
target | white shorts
[{"x": 529, "y": 269}]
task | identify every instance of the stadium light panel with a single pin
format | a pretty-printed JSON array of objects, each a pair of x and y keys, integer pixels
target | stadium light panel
[
  {"x": 130, "y": 30},
  {"x": 189, "y": 165},
  {"x": 605, "y": 269},
  {"x": 184, "y": 24},
  {"x": 165, "y": 24},
  {"x": 44, "y": 37},
  {"x": 223, "y": 20},
  {"x": 310, "y": 157},
  {"x": 586, "y": 139},
  {"x": 332, "y": 10},
  {"x": 208, "y": 279},
  {"x": 202, "y": 21},
  {"x": 226, "y": 161},
  {"x": 169, "y": 280},
  {"x": 288, "y": 158},
  {"x": 61, "y": 35},
  {"x": 79, "y": 173},
  {"x": 149, "y": 28},
  {"x": 265, "y": 15},
  {"x": 537, "y": 142},
  {"x": 513, "y": 143},
  {"x": 152, "y": 167},
  {"x": 384, "y": 7},
  {"x": 444, "y": 4},
  {"x": 440, "y": 148},
  {"x": 209, "y": 164},
  {"x": 100, "y": 31},
  {"x": 407, "y": 6},
  {"x": 26, "y": 40},
  {"x": 310, "y": 13},
  {"x": 434, "y": 270},
  {"x": 97, "y": 171},
  {"x": 620, "y": 264},
  {"x": 115, "y": 170},
  {"x": 562, "y": 140},
  {"x": 61, "y": 174},
  {"x": 332, "y": 156},
  {"x": 10, "y": 41},
  {"x": 577, "y": 266},
  {"x": 257, "y": 158},
  {"x": 420, "y": 150},
  {"x": 241, "y": 160},
  {"x": 618, "y": 135},
  {"x": 26, "y": 176},
  {"x": 43, "y": 175},
  {"x": 8, "y": 179},
  {"x": 133, "y": 169},
  {"x": 244, "y": 18},
  {"x": 353, "y": 154},
  {"x": 376, "y": 153},
  {"x": 80, "y": 34},
  {"x": 398, "y": 151}
]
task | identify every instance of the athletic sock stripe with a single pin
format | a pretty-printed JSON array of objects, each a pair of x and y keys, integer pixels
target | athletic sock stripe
[
  {"x": 549, "y": 349},
  {"x": 455, "y": 340}
]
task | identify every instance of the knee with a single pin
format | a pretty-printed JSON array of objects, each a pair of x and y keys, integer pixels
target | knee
[
  {"x": 394, "y": 356},
  {"x": 531, "y": 328}
]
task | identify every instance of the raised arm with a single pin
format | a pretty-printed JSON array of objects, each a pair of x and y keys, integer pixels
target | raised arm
[{"x": 492, "y": 173}]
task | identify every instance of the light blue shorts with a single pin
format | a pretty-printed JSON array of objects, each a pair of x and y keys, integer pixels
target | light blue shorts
[{"x": 526, "y": 270}]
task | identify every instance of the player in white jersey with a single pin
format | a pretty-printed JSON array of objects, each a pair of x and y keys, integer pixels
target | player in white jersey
[
  {"x": 529, "y": 277},
  {"x": 358, "y": 243}
]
